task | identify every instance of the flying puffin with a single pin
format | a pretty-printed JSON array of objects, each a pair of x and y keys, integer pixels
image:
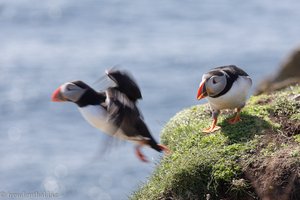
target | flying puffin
[
  {"x": 225, "y": 87},
  {"x": 113, "y": 111}
]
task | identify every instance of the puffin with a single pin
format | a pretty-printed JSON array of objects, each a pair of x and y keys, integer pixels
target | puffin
[
  {"x": 113, "y": 111},
  {"x": 225, "y": 87}
]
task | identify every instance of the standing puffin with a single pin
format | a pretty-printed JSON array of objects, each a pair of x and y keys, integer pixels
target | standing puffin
[
  {"x": 113, "y": 111},
  {"x": 225, "y": 87}
]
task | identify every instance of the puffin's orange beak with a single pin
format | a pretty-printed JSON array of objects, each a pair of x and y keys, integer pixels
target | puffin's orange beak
[
  {"x": 202, "y": 93},
  {"x": 57, "y": 96}
]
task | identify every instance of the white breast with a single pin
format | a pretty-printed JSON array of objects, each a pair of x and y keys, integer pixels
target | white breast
[
  {"x": 235, "y": 97},
  {"x": 97, "y": 117}
]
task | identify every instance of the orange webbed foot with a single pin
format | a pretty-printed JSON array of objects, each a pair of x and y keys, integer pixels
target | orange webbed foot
[
  {"x": 140, "y": 155},
  {"x": 234, "y": 120},
  {"x": 211, "y": 129}
]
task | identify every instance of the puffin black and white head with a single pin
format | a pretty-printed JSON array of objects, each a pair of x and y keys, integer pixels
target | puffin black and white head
[
  {"x": 225, "y": 87},
  {"x": 113, "y": 110}
]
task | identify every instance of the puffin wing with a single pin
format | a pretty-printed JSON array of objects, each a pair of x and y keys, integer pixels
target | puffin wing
[
  {"x": 125, "y": 84},
  {"x": 125, "y": 116}
]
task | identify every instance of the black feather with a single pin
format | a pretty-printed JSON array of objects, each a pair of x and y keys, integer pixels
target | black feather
[
  {"x": 125, "y": 84},
  {"x": 126, "y": 116}
]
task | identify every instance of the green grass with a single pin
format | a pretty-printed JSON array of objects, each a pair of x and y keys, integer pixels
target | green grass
[{"x": 204, "y": 165}]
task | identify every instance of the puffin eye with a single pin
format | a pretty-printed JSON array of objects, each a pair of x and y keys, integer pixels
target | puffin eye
[
  {"x": 68, "y": 88},
  {"x": 214, "y": 81}
]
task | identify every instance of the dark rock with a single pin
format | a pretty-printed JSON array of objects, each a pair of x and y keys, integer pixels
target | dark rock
[{"x": 288, "y": 74}]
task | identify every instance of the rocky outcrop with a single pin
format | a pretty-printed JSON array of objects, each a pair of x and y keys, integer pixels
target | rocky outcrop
[
  {"x": 288, "y": 74},
  {"x": 257, "y": 158}
]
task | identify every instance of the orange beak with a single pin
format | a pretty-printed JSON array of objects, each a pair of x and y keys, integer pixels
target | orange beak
[
  {"x": 202, "y": 93},
  {"x": 57, "y": 96}
]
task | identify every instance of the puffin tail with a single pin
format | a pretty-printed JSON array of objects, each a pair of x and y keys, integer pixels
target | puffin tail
[
  {"x": 164, "y": 148},
  {"x": 159, "y": 147}
]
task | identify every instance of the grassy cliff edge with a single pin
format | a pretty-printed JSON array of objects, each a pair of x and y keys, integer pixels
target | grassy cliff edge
[{"x": 258, "y": 158}]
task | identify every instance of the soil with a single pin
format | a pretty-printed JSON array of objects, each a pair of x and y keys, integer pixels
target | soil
[{"x": 276, "y": 176}]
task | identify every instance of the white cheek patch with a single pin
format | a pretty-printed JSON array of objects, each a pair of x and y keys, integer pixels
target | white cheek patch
[
  {"x": 219, "y": 87},
  {"x": 216, "y": 88},
  {"x": 71, "y": 91}
]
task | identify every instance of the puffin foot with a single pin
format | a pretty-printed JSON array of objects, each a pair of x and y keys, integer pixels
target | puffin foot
[
  {"x": 211, "y": 129},
  {"x": 139, "y": 154},
  {"x": 234, "y": 120},
  {"x": 164, "y": 149}
]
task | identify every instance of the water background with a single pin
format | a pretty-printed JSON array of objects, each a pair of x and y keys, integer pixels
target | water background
[{"x": 167, "y": 46}]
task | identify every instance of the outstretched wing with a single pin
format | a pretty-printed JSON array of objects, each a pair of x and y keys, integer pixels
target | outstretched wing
[
  {"x": 125, "y": 84},
  {"x": 126, "y": 117}
]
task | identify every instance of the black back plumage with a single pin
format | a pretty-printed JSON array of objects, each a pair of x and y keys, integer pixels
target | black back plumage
[
  {"x": 231, "y": 72},
  {"x": 123, "y": 110},
  {"x": 126, "y": 116}
]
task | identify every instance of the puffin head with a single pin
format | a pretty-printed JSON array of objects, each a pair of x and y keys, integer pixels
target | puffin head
[
  {"x": 211, "y": 85},
  {"x": 70, "y": 91}
]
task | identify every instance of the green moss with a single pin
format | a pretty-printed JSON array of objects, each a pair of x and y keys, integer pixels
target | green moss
[
  {"x": 210, "y": 164},
  {"x": 269, "y": 150},
  {"x": 297, "y": 138},
  {"x": 295, "y": 116},
  {"x": 295, "y": 153},
  {"x": 286, "y": 107}
]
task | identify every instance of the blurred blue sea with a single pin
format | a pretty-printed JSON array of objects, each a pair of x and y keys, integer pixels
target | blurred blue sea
[{"x": 167, "y": 46}]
